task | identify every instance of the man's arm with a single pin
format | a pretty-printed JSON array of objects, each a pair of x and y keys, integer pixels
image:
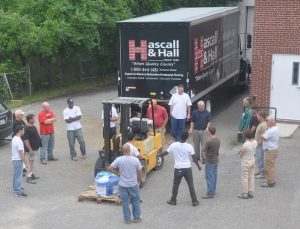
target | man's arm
[
  {"x": 188, "y": 113},
  {"x": 139, "y": 175},
  {"x": 191, "y": 127},
  {"x": 113, "y": 170},
  {"x": 27, "y": 143},
  {"x": 50, "y": 120},
  {"x": 208, "y": 125}
]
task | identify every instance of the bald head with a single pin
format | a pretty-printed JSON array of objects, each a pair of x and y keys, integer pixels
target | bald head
[
  {"x": 271, "y": 121},
  {"x": 46, "y": 106},
  {"x": 126, "y": 149},
  {"x": 201, "y": 105}
]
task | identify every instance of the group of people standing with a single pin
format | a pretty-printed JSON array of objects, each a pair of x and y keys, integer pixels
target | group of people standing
[
  {"x": 27, "y": 141},
  {"x": 260, "y": 147}
]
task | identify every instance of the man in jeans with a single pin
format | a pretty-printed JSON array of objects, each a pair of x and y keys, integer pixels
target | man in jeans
[
  {"x": 180, "y": 110},
  {"x": 130, "y": 170},
  {"x": 211, "y": 150},
  {"x": 200, "y": 122},
  {"x": 72, "y": 115},
  {"x": 182, "y": 168},
  {"x": 18, "y": 158},
  {"x": 260, "y": 130},
  {"x": 46, "y": 120},
  {"x": 270, "y": 146}
]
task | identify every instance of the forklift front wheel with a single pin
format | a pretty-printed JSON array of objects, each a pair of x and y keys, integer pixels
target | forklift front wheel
[
  {"x": 144, "y": 173},
  {"x": 159, "y": 162}
]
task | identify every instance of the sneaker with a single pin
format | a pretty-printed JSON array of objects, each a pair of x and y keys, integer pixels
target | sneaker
[
  {"x": 137, "y": 220},
  {"x": 243, "y": 196},
  {"x": 74, "y": 158},
  {"x": 208, "y": 196},
  {"x": 34, "y": 177},
  {"x": 43, "y": 162},
  {"x": 22, "y": 194},
  {"x": 83, "y": 157},
  {"x": 250, "y": 194},
  {"x": 259, "y": 177},
  {"x": 128, "y": 221},
  {"x": 171, "y": 202},
  {"x": 52, "y": 159},
  {"x": 267, "y": 185},
  {"x": 195, "y": 203},
  {"x": 30, "y": 180}
]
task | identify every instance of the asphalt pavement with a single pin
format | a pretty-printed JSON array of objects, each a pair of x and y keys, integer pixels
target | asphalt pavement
[{"x": 52, "y": 202}]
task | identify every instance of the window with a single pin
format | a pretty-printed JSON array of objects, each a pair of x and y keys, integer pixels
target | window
[{"x": 295, "y": 80}]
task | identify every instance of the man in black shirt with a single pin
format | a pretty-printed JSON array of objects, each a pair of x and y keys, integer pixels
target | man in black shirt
[
  {"x": 254, "y": 121},
  {"x": 200, "y": 122},
  {"x": 32, "y": 143}
]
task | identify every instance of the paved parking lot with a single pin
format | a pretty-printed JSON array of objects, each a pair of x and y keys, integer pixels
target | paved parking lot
[{"x": 52, "y": 202}]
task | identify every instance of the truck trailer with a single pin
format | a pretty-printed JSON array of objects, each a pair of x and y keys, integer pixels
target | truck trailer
[{"x": 196, "y": 47}]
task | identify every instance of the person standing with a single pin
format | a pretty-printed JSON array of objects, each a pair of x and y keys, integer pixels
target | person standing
[
  {"x": 32, "y": 143},
  {"x": 211, "y": 150},
  {"x": 180, "y": 110},
  {"x": 130, "y": 169},
  {"x": 18, "y": 159},
  {"x": 270, "y": 147},
  {"x": 182, "y": 168},
  {"x": 260, "y": 130},
  {"x": 18, "y": 121},
  {"x": 46, "y": 119},
  {"x": 72, "y": 115},
  {"x": 246, "y": 118},
  {"x": 254, "y": 120},
  {"x": 247, "y": 153},
  {"x": 113, "y": 120},
  {"x": 160, "y": 118},
  {"x": 200, "y": 122}
]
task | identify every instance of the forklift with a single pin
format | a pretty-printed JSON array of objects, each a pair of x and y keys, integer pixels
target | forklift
[{"x": 147, "y": 140}]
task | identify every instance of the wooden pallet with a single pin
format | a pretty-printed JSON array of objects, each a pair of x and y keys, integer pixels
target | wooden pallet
[{"x": 90, "y": 195}]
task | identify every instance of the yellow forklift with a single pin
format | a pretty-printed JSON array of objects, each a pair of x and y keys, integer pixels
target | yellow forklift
[{"x": 132, "y": 119}]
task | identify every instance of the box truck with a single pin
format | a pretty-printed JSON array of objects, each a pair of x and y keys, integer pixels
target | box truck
[{"x": 196, "y": 47}]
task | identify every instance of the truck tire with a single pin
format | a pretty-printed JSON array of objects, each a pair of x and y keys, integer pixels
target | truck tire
[
  {"x": 144, "y": 173},
  {"x": 159, "y": 161},
  {"x": 99, "y": 166}
]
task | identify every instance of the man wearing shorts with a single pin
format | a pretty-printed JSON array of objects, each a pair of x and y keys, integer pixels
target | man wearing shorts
[{"x": 32, "y": 143}]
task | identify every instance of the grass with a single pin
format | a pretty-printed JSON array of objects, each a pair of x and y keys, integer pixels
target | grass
[{"x": 42, "y": 95}]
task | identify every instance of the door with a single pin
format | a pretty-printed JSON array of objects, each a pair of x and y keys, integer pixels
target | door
[{"x": 285, "y": 86}]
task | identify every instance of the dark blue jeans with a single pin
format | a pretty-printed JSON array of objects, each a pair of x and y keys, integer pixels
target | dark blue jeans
[
  {"x": 133, "y": 194},
  {"x": 178, "y": 126},
  {"x": 211, "y": 171}
]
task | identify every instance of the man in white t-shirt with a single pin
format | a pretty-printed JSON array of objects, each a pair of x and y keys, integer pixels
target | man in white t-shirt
[
  {"x": 18, "y": 158},
  {"x": 180, "y": 109},
  {"x": 182, "y": 168},
  {"x": 72, "y": 115},
  {"x": 270, "y": 147},
  {"x": 133, "y": 150},
  {"x": 113, "y": 120}
]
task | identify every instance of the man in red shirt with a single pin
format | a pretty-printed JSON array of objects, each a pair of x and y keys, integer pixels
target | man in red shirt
[
  {"x": 46, "y": 120},
  {"x": 160, "y": 118}
]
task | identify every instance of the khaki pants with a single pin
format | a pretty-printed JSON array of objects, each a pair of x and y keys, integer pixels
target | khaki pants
[
  {"x": 270, "y": 158},
  {"x": 247, "y": 175},
  {"x": 162, "y": 132}
]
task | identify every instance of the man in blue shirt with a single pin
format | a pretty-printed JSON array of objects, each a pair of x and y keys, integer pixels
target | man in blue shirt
[{"x": 200, "y": 122}]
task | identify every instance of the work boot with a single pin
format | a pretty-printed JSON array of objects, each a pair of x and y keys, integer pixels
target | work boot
[
  {"x": 52, "y": 159},
  {"x": 74, "y": 158},
  {"x": 44, "y": 162},
  {"x": 171, "y": 202},
  {"x": 30, "y": 180},
  {"x": 208, "y": 196},
  {"x": 195, "y": 203},
  {"x": 250, "y": 194},
  {"x": 34, "y": 177}
]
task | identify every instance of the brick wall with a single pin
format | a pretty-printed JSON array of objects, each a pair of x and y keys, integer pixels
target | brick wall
[
  {"x": 133, "y": 50},
  {"x": 276, "y": 31}
]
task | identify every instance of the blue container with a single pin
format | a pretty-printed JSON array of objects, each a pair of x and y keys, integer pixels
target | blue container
[{"x": 107, "y": 184}]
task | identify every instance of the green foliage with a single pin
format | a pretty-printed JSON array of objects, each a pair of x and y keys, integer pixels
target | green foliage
[{"x": 56, "y": 37}]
